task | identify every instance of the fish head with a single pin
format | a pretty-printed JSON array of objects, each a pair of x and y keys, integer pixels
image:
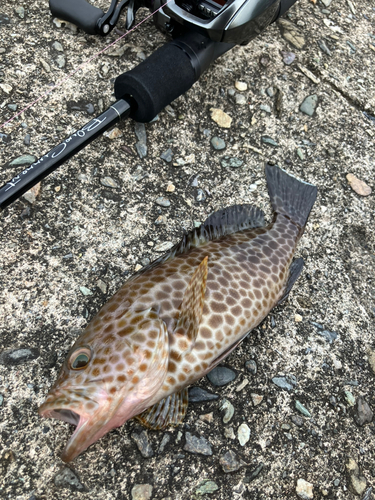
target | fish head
[{"x": 109, "y": 375}]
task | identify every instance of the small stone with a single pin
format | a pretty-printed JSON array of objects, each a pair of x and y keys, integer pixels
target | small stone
[
  {"x": 230, "y": 462},
  {"x": 6, "y": 88},
  {"x": 102, "y": 286},
  {"x": 141, "y": 492},
  {"x": 109, "y": 182},
  {"x": 141, "y": 440},
  {"x": 240, "y": 100},
  {"x": 163, "y": 202},
  {"x": 323, "y": 46},
  {"x": 221, "y": 118},
  {"x": 243, "y": 434},
  {"x": 329, "y": 336},
  {"x": 368, "y": 494},
  {"x": 242, "y": 385},
  {"x": 297, "y": 420},
  {"x": 171, "y": 188},
  {"x": 371, "y": 360},
  {"x": 163, "y": 247},
  {"x": 217, "y": 143},
  {"x": 199, "y": 395},
  {"x": 206, "y": 487},
  {"x": 269, "y": 141},
  {"x": 32, "y": 193},
  {"x": 256, "y": 398},
  {"x": 228, "y": 162},
  {"x": 251, "y": 366},
  {"x": 115, "y": 133},
  {"x": 198, "y": 445},
  {"x": 357, "y": 483},
  {"x": 167, "y": 156},
  {"x": 282, "y": 383},
  {"x": 265, "y": 108},
  {"x": 229, "y": 433},
  {"x": 300, "y": 154},
  {"x": 57, "y": 46},
  {"x": 12, "y": 107},
  {"x": 14, "y": 357},
  {"x": 229, "y": 410},
  {"x": 26, "y": 140},
  {"x": 304, "y": 490},
  {"x": 291, "y": 33},
  {"x": 141, "y": 149},
  {"x": 299, "y": 406},
  {"x": 24, "y": 160},
  {"x": 358, "y": 186},
  {"x": 241, "y": 86},
  {"x": 349, "y": 398},
  {"x": 140, "y": 132},
  {"x": 200, "y": 195},
  {"x": 254, "y": 473},
  {"x": 20, "y": 11},
  {"x": 164, "y": 442},
  {"x": 221, "y": 375},
  {"x": 207, "y": 417},
  {"x": 60, "y": 61},
  {"x": 298, "y": 318},
  {"x": 364, "y": 414},
  {"x": 309, "y": 105},
  {"x": 288, "y": 57},
  {"x": 85, "y": 291},
  {"x": 1, "y": 399},
  {"x": 67, "y": 478}
]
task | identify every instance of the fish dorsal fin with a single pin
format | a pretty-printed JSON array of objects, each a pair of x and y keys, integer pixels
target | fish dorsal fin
[
  {"x": 221, "y": 223},
  {"x": 169, "y": 411},
  {"x": 191, "y": 308}
]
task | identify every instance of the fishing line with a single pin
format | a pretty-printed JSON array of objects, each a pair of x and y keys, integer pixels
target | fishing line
[{"x": 81, "y": 66}]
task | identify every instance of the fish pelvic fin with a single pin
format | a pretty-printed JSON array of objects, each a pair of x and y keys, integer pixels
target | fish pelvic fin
[
  {"x": 294, "y": 272},
  {"x": 191, "y": 308},
  {"x": 169, "y": 411},
  {"x": 290, "y": 196}
]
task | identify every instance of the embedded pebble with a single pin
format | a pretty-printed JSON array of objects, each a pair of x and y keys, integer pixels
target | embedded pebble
[
  {"x": 171, "y": 188},
  {"x": 299, "y": 406},
  {"x": 1, "y": 399},
  {"x": 364, "y": 414},
  {"x": 67, "y": 478},
  {"x": 6, "y": 88},
  {"x": 240, "y": 100},
  {"x": 298, "y": 318},
  {"x": 221, "y": 118},
  {"x": 115, "y": 133},
  {"x": 102, "y": 286},
  {"x": 196, "y": 444},
  {"x": 200, "y": 195},
  {"x": 323, "y": 46},
  {"x": 217, "y": 143},
  {"x": 199, "y": 395},
  {"x": 269, "y": 141},
  {"x": 141, "y": 492},
  {"x": 251, "y": 366},
  {"x": 358, "y": 186},
  {"x": 230, "y": 462},
  {"x": 14, "y": 357},
  {"x": 221, "y": 375},
  {"x": 85, "y": 291},
  {"x": 163, "y": 202},
  {"x": 265, "y": 108},
  {"x": 206, "y": 487},
  {"x": 141, "y": 440},
  {"x": 291, "y": 33},
  {"x": 256, "y": 398},
  {"x": 140, "y": 132},
  {"x": 254, "y": 473},
  {"x": 349, "y": 398},
  {"x": 329, "y": 336},
  {"x": 167, "y": 156},
  {"x": 163, "y": 247},
  {"x": 207, "y": 417},
  {"x": 304, "y": 489},
  {"x": 357, "y": 482},
  {"x": 32, "y": 193},
  {"x": 288, "y": 57},
  {"x": 282, "y": 383},
  {"x": 229, "y": 410},
  {"x": 26, "y": 140},
  {"x": 309, "y": 105},
  {"x": 228, "y": 162},
  {"x": 241, "y": 86},
  {"x": 141, "y": 149},
  {"x": 229, "y": 433},
  {"x": 242, "y": 385},
  {"x": 164, "y": 442},
  {"x": 243, "y": 434},
  {"x": 109, "y": 182},
  {"x": 20, "y": 11},
  {"x": 371, "y": 360},
  {"x": 23, "y": 161},
  {"x": 60, "y": 61}
]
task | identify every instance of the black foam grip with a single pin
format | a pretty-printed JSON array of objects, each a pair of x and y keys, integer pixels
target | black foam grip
[
  {"x": 157, "y": 81},
  {"x": 78, "y": 12}
]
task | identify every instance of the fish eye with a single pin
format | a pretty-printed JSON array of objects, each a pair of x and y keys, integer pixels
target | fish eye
[{"x": 80, "y": 359}]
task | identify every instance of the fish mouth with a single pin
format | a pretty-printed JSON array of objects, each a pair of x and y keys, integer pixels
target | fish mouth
[{"x": 89, "y": 427}]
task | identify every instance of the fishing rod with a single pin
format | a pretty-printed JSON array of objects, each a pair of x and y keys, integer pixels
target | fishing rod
[{"x": 201, "y": 30}]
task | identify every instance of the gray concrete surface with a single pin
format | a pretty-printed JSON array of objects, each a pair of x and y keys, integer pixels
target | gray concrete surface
[{"x": 79, "y": 233}]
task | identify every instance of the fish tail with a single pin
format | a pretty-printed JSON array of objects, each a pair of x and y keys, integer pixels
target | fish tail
[{"x": 290, "y": 196}]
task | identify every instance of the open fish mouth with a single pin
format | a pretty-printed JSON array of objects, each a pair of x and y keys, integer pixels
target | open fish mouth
[{"x": 69, "y": 416}]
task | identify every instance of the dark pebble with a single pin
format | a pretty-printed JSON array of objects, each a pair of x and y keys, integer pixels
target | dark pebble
[
  {"x": 253, "y": 474},
  {"x": 282, "y": 383},
  {"x": 141, "y": 440},
  {"x": 322, "y": 45},
  {"x": 364, "y": 414},
  {"x": 66, "y": 478},
  {"x": 26, "y": 140},
  {"x": 84, "y": 106},
  {"x": 167, "y": 156},
  {"x": 230, "y": 462},
  {"x": 196, "y": 444},
  {"x": 228, "y": 162},
  {"x": 140, "y": 132},
  {"x": 14, "y": 357},
  {"x": 251, "y": 366},
  {"x": 288, "y": 57},
  {"x": 51, "y": 360},
  {"x": 5, "y": 137},
  {"x": 368, "y": 494},
  {"x": 4, "y": 19},
  {"x": 199, "y": 395},
  {"x": 221, "y": 375},
  {"x": 297, "y": 420},
  {"x": 329, "y": 336},
  {"x": 269, "y": 141},
  {"x": 141, "y": 149}
]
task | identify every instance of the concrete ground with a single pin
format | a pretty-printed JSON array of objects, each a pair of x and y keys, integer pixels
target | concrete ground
[{"x": 65, "y": 253}]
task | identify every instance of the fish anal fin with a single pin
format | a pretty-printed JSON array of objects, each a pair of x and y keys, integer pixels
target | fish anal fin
[
  {"x": 191, "y": 308},
  {"x": 169, "y": 411},
  {"x": 294, "y": 272}
]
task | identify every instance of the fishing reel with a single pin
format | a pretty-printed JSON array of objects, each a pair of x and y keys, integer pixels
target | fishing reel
[{"x": 229, "y": 21}]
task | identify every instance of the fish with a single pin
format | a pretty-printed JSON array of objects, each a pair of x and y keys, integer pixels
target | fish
[{"x": 180, "y": 316}]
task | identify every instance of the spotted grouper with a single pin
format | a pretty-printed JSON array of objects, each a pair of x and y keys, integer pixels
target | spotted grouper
[{"x": 176, "y": 319}]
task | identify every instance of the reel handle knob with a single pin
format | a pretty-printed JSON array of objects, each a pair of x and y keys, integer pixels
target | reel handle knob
[{"x": 77, "y": 12}]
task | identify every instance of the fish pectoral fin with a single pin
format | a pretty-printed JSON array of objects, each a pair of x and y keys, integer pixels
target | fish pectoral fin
[
  {"x": 191, "y": 308},
  {"x": 169, "y": 411},
  {"x": 294, "y": 272}
]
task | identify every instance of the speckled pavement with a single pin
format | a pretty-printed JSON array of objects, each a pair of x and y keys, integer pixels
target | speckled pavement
[{"x": 65, "y": 254}]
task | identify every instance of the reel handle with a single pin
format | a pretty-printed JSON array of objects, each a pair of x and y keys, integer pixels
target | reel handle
[{"x": 78, "y": 12}]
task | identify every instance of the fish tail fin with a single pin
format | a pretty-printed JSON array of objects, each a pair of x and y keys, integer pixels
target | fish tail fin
[{"x": 290, "y": 196}]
